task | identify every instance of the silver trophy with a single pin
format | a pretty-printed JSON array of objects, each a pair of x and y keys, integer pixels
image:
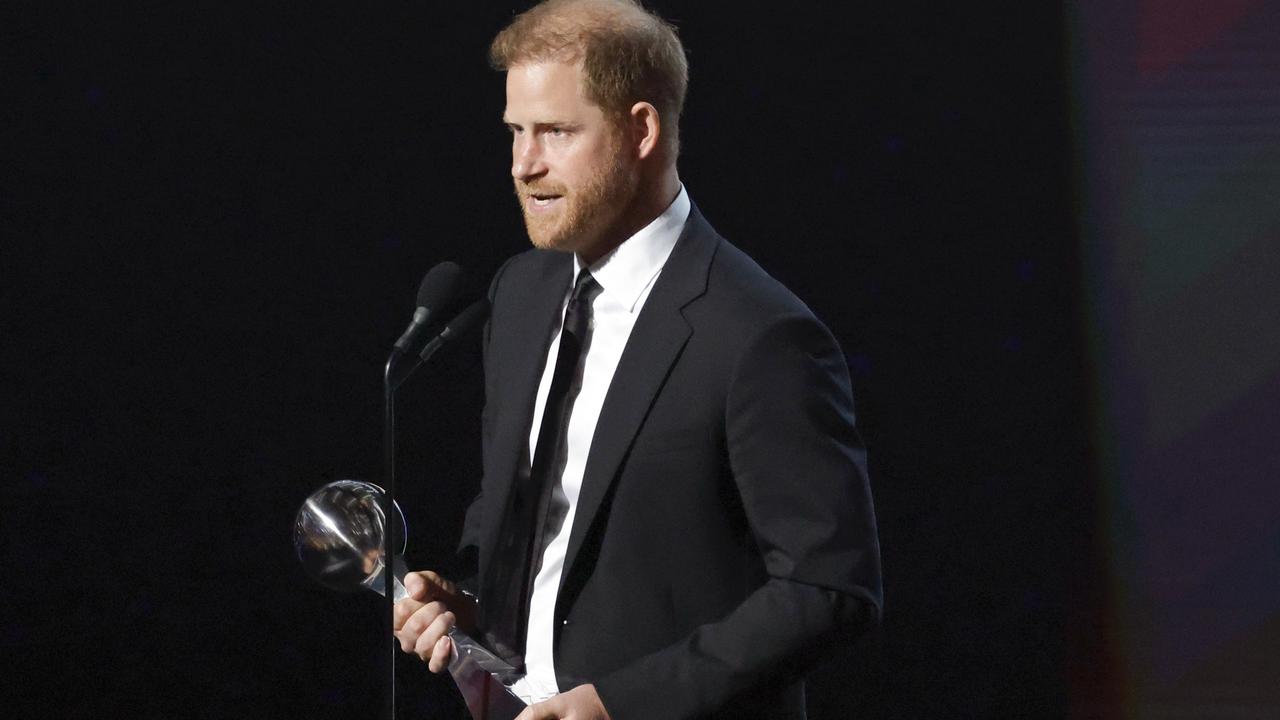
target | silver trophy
[{"x": 338, "y": 535}]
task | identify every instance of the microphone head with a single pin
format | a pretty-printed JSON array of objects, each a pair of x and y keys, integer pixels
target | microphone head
[
  {"x": 476, "y": 313},
  {"x": 439, "y": 286}
]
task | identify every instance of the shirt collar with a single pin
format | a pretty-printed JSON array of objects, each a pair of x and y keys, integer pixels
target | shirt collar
[{"x": 625, "y": 271}]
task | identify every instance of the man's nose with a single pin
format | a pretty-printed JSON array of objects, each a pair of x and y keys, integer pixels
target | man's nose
[{"x": 526, "y": 159}]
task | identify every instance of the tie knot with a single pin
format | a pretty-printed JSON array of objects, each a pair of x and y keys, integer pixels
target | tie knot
[
  {"x": 584, "y": 284},
  {"x": 577, "y": 316}
]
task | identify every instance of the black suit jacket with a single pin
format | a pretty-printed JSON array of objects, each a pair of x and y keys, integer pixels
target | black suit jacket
[{"x": 724, "y": 531}]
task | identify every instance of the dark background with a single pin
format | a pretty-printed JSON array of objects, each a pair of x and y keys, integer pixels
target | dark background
[{"x": 215, "y": 217}]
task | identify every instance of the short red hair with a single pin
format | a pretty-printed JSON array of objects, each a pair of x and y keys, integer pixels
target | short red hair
[{"x": 628, "y": 54}]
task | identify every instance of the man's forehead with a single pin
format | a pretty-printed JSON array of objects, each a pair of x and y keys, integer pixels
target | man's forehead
[
  {"x": 535, "y": 85},
  {"x": 546, "y": 69}
]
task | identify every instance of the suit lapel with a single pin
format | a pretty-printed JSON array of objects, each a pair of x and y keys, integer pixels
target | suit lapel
[
  {"x": 659, "y": 335},
  {"x": 522, "y": 357}
]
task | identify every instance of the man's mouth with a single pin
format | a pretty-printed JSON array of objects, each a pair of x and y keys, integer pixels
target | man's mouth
[{"x": 543, "y": 200}]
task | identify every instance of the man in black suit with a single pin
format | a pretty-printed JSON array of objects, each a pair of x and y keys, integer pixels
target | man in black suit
[{"x": 675, "y": 515}]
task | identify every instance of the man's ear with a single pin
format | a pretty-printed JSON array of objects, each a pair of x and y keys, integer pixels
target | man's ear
[{"x": 646, "y": 129}]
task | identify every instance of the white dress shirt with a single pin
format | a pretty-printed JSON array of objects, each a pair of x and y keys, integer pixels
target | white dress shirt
[{"x": 626, "y": 275}]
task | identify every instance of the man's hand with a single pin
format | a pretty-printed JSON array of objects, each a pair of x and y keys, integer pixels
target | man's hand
[
  {"x": 424, "y": 619},
  {"x": 580, "y": 703}
]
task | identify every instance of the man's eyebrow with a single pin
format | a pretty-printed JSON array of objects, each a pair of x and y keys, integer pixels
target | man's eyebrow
[{"x": 543, "y": 125}]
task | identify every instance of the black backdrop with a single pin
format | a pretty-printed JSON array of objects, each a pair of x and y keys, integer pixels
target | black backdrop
[{"x": 215, "y": 216}]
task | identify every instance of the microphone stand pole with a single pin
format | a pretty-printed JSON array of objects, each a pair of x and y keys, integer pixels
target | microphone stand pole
[
  {"x": 392, "y": 376},
  {"x": 389, "y": 385}
]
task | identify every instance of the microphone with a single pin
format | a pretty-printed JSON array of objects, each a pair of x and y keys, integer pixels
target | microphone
[
  {"x": 438, "y": 287},
  {"x": 475, "y": 314}
]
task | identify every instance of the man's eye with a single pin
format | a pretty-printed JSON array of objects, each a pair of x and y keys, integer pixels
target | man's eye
[{"x": 558, "y": 132}]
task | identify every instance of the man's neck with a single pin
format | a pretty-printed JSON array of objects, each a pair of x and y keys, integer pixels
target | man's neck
[{"x": 651, "y": 201}]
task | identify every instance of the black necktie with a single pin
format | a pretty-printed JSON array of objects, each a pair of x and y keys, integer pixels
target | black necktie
[{"x": 532, "y": 499}]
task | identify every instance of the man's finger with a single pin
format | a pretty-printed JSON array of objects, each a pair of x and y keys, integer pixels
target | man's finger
[
  {"x": 406, "y": 642},
  {"x": 423, "y": 617},
  {"x": 416, "y": 585},
  {"x": 536, "y": 711},
  {"x": 403, "y": 610},
  {"x": 428, "y": 585},
  {"x": 408, "y": 635},
  {"x": 440, "y": 655},
  {"x": 411, "y": 627},
  {"x": 438, "y": 628}
]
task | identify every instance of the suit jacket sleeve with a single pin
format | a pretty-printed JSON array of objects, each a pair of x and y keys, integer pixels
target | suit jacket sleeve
[
  {"x": 465, "y": 567},
  {"x": 800, "y": 469}
]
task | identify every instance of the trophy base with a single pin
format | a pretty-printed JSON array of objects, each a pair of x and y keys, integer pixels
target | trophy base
[{"x": 480, "y": 677}]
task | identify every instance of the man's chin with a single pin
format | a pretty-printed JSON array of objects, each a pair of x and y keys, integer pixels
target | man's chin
[
  {"x": 549, "y": 241},
  {"x": 549, "y": 236}
]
